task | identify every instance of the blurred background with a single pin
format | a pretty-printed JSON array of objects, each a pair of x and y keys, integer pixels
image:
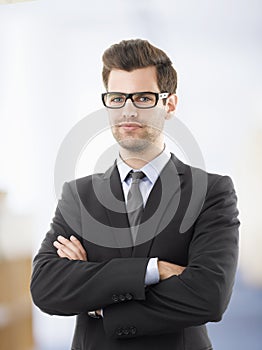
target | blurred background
[{"x": 50, "y": 78}]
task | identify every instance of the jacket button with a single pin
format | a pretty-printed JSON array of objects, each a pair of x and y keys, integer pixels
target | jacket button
[
  {"x": 133, "y": 330},
  {"x": 122, "y": 297},
  {"x": 126, "y": 331},
  {"x": 119, "y": 331},
  {"x": 129, "y": 296},
  {"x": 115, "y": 298}
]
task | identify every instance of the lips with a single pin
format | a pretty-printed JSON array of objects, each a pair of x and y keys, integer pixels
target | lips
[{"x": 129, "y": 126}]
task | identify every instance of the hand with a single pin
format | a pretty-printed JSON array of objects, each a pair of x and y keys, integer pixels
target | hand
[
  {"x": 167, "y": 269},
  {"x": 70, "y": 248}
]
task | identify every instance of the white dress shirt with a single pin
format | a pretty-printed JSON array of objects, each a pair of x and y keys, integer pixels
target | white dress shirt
[{"x": 152, "y": 171}]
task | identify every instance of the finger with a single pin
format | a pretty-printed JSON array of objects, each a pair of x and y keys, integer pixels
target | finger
[
  {"x": 71, "y": 246},
  {"x": 65, "y": 251},
  {"x": 72, "y": 250},
  {"x": 79, "y": 248},
  {"x": 62, "y": 254},
  {"x": 75, "y": 241}
]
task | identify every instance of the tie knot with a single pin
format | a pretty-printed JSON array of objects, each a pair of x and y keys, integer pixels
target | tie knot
[{"x": 136, "y": 175}]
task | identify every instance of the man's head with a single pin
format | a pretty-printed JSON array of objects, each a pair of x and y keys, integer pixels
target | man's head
[
  {"x": 133, "y": 54},
  {"x": 136, "y": 74}
]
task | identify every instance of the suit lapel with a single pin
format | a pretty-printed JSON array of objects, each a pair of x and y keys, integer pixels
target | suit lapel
[
  {"x": 113, "y": 199},
  {"x": 161, "y": 206}
]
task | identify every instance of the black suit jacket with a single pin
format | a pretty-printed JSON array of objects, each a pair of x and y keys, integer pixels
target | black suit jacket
[{"x": 190, "y": 219}]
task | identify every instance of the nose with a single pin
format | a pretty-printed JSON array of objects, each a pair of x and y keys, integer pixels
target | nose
[{"x": 129, "y": 110}]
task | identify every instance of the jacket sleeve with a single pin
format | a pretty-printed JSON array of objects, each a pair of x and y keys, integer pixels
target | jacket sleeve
[
  {"x": 67, "y": 287},
  {"x": 202, "y": 292}
]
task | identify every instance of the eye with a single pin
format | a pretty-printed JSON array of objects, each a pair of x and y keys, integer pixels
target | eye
[
  {"x": 145, "y": 98},
  {"x": 116, "y": 99}
]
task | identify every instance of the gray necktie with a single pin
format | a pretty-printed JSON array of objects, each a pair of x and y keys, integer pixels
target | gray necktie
[{"x": 134, "y": 203}]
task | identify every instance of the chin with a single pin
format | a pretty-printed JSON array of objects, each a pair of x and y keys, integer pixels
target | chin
[{"x": 134, "y": 145}]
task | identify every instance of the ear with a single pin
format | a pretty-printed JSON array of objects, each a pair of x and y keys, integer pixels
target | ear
[{"x": 170, "y": 107}]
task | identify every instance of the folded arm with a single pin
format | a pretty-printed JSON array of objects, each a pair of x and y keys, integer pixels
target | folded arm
[
  {"x": 73, "y": 250},
  {"x": 67, "y": 287}
]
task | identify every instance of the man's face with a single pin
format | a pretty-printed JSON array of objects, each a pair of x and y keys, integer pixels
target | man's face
[{"x": 133, "y": 128}]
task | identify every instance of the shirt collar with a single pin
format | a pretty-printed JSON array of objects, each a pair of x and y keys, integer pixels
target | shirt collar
[{"x": 151, "y": 169}]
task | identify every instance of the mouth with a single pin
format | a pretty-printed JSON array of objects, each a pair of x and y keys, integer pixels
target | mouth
[{"x": 129, "y": 126}]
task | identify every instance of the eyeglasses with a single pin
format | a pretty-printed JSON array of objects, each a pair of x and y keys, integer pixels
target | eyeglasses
[{"x": 141, "y": 100}]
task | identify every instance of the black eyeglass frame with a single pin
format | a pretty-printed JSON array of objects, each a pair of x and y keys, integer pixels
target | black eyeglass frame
[{"x": 158, "y": 96}]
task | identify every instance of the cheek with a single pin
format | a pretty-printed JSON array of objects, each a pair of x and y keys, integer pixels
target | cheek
[
  {"x": 114, "y": 116},
  {"x": 155, "y": 121}
]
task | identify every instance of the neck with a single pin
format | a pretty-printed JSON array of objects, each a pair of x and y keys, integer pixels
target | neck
[{"x": 136, "y": 160}]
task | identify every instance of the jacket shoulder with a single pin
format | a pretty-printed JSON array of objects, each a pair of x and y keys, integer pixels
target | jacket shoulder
[{"x": 213, "y": 179}]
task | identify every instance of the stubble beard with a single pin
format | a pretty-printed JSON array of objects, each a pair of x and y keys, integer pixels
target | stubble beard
[{"x": 136, "y": 144}]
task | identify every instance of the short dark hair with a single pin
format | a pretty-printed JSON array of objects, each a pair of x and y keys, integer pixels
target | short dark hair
[{"x": 137, "y": 53}]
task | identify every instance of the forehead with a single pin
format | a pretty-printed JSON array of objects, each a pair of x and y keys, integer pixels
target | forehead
[{"x": 142, "y": 79}]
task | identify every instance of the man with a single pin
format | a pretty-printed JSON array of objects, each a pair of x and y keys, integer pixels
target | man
[{"x": 124, "y": 252}]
